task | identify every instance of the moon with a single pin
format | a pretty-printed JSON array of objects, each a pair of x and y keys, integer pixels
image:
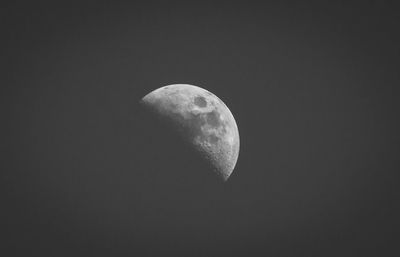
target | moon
[{"x": 203, "y": 120}]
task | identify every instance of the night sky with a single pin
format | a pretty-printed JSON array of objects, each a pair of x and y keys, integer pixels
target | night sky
[{"x": 314, "y": 90}]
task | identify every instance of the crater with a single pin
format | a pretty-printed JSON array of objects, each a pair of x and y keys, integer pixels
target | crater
[
  {"x": 200, "y": 101},
  {"x": 213, "y": 138},
  {"x": 212, "y": 119}
]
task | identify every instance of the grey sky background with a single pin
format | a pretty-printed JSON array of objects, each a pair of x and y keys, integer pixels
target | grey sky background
[{"x": 313, "y": 89}]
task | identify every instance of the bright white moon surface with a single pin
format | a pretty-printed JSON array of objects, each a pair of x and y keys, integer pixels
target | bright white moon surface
[{"x": 203, "y": 120}]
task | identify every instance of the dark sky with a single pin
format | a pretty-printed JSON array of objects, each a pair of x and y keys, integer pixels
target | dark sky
[{"x": 313, "y": 88}]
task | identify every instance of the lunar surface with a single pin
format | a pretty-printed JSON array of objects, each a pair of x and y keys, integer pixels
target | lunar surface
[{"x": 203, "y": 120}]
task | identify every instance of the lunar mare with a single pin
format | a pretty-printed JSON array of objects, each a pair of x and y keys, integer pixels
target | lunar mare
[{"x": 203, "y": 120}]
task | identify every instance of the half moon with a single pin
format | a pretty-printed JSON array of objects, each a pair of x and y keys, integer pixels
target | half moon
[{"x": 203, "y": 120}]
